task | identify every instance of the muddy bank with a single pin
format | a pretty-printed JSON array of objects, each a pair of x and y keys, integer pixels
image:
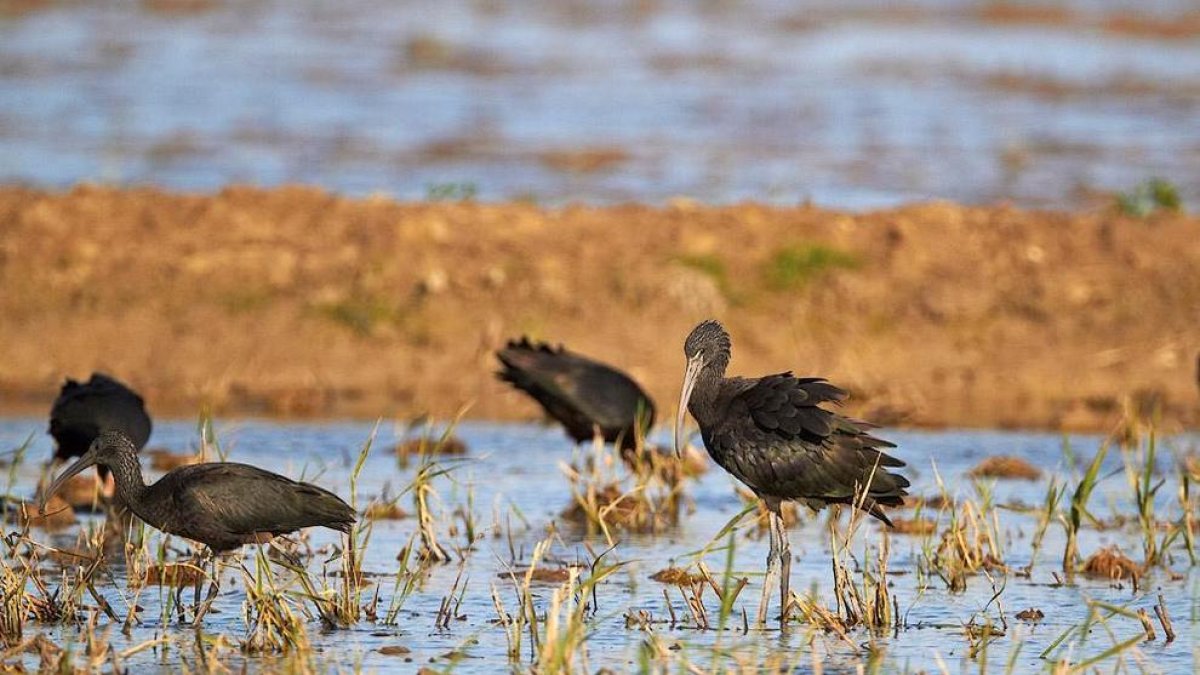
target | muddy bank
[{"x": 298, "y": 302}]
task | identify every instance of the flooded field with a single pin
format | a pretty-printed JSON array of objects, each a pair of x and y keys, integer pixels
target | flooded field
[
  {"x": 952, "y": 600},
  {"x": 1042, "y": 103}
]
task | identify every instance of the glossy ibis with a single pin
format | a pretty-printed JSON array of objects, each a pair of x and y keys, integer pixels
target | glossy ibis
[
  {"x": 84, "y": 409},
  {"x": 222, "y": 505},
  {"x": 587, "y": 397},
  {"x": 772, "y": 434}
]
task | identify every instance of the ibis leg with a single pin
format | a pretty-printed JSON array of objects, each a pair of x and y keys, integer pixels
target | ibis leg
[
  {"x": 213, "y": 590},
  {"x": 769, "y": 579},
  {"x": 199, "y": 562},
  {"x": 785, "y": 571}
]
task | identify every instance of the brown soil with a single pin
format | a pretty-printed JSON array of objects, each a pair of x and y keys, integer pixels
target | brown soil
[{"x": 294, "y": 301}]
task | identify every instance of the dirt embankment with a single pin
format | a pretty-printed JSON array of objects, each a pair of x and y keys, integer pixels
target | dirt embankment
[{"x": 294, "y": 301}]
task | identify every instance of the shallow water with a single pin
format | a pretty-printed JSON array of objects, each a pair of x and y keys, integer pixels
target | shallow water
[
  {"x": 850, "y": 106},
  {"x": 515, "y": 469}
]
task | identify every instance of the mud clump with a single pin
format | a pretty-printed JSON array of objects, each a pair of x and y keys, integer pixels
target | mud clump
[
  {"x": 1031, "y": 614},
  {"x": 916, "y": 526},
  {"x": 170, "y": 574},
  {"x": 1111, "y": 564},
  {"x": 379, "y": 511},
  {"x": 674, "y": 576},
  {"x": 162, "y": 459},
  {"x": 1006, "y": 467},
  {"x": 58, "y": 514}
]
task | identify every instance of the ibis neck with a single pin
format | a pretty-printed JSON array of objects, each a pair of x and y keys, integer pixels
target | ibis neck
[
  {"x": 127, "y": 474},
  {"x": 703, "y": 402}
]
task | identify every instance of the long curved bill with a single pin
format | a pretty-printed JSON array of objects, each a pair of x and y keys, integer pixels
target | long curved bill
[
  {"x": 689, "y": 381},
  {"x": 88, "y": 459}
]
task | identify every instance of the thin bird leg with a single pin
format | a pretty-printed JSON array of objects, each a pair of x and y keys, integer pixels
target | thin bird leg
[
  {"x": 198, "y": 561},
  {"x": 213, "y": 590},
  {"x": 785, "y": 558},
  {"x": 769, "y": 579}
]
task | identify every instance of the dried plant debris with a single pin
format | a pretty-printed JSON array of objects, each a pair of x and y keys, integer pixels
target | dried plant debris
[
  {"x": 58, "y": 513},
  {"x": 546, "y": 575},
  {"x": 82, "y": 493},
  {"x": 913, "y": 526},
  {"x": 661, "y": 463},
  {"x": 632, "y": 511},
  {"x": 170, "y": 574},
  {"x": 1031, "y": 614},
  {"x": 675, "y": 576},
  {"x": 162, "y": 459},
  {"x": 382, "y": 511},
  {"x": 427, "y": 445},
  {"x": 929, "y": 503},
  {"x": 1110, "y": 563},
  {"x": 1003, "y": 466}
]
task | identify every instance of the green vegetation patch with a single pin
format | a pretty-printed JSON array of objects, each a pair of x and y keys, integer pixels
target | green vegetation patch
[
  {"x": 794, "y": 267},
  {"x": 1156, "y": 194},
  {"x": 364, "y": 315}
]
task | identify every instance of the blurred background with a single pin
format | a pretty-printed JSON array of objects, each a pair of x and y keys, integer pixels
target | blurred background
[{"x": 1043, "y": 103}]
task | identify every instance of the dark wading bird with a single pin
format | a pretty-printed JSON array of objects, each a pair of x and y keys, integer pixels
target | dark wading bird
[
  {"x": 772, "y": 434},
  {"x": 222, "y": 505},
  {"x": 587, "y": 397},
  {"x": 84, "y": 409}
]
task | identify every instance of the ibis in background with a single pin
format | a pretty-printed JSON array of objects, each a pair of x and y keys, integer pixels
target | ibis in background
[
  {"x": 773, "y": 435},
  {"x": 587, "y": 397},
  {"x": 85, "y": 409}
]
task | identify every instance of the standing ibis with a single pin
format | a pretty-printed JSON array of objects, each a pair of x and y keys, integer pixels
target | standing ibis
[
  {"x": 84, "y": 409},
  {"x": 772, "y": 434},
  {"x": 587, "y": 397},
  {"x": 222, "y": 505}
]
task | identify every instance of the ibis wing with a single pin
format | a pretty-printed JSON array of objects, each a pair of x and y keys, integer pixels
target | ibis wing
[
  {"x": 807, "y": 450},
  {"x": 241, "y": 499}
]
